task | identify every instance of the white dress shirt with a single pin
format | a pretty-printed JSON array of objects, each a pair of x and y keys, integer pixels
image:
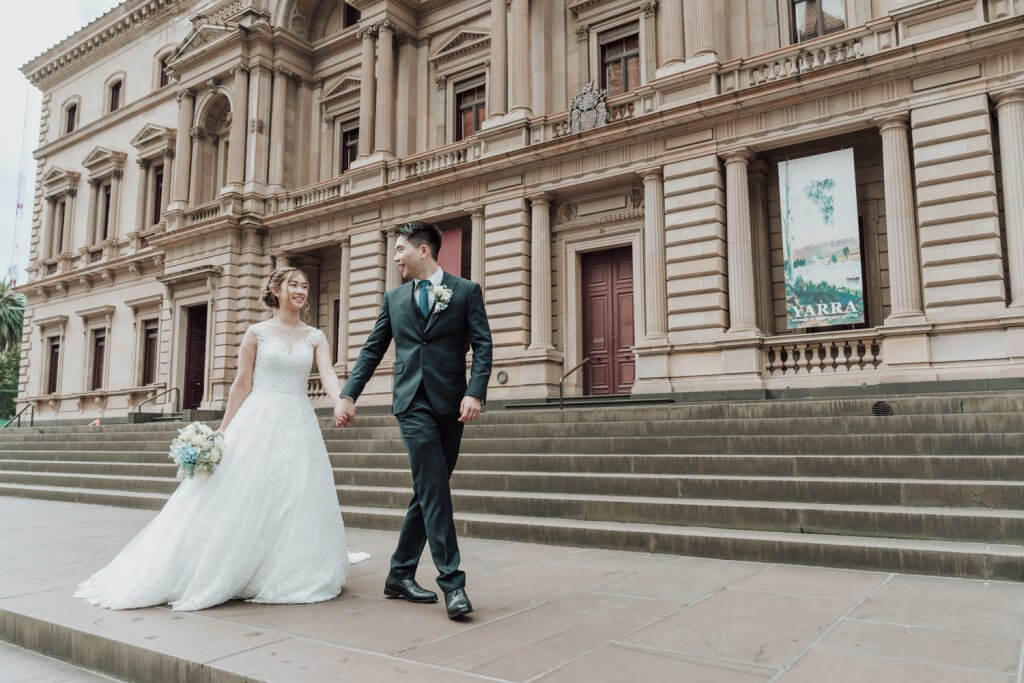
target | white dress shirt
[{"x": 434, "y": 279}]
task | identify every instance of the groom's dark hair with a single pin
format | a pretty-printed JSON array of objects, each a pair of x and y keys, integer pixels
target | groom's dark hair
[{"x": 419, "y": 233}]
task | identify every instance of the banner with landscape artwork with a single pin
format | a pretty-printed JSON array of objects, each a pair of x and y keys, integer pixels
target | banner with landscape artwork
[{"x": 821, "y": 241}]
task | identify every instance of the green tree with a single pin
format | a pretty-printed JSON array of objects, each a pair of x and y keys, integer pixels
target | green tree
[
  {"x": 9, "y": 363},
  {"x": 12, "y": 314}
]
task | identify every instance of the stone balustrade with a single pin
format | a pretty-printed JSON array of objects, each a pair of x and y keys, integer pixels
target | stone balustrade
[
  {"x": 820, "y": 354},
  {"x": 440, "y": 159}
]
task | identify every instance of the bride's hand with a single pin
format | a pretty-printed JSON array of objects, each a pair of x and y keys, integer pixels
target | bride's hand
[{"x": 344, "y": 412}]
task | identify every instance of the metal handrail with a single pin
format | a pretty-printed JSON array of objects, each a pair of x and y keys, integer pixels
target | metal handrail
[
  {"x": 31, "y": 407},
  {"x": 561, "y": 382},
  {"x": 177, "y": 399}
]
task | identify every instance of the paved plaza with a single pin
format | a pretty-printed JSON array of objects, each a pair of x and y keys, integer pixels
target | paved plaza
[{"x": 543, "y": 613}]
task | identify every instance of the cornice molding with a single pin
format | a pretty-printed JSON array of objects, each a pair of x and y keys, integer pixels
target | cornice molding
[{"x": 108, "y": 30}]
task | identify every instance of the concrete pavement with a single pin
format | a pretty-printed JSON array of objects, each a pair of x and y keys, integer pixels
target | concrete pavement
[{"x": 543, "y": 613}]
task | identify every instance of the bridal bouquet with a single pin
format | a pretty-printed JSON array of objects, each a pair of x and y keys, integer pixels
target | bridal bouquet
[{"x": 197, "y": 449}]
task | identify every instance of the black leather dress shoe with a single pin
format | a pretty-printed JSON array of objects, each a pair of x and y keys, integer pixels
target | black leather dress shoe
[
  {"x": 457, "y": 603},
  {"x": 408, "y": 589}
]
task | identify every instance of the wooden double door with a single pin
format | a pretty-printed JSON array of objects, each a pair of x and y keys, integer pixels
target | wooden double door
[
  {"x": 195, "y": 356},
  {"x": 608, "y": 330}
]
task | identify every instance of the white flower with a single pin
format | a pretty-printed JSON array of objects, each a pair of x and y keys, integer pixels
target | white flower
[{"x": 442, "y": 296}]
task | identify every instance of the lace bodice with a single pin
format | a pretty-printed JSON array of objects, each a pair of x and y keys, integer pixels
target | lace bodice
[{"x": 283, "y": 365}]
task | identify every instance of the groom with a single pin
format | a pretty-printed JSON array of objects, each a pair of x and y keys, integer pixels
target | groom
[{"x": 434, "y": 318}]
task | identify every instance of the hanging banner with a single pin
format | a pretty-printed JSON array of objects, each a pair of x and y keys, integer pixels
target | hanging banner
[{"x": 821, "y": 241}]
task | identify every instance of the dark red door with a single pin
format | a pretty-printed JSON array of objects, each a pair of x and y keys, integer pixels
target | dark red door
[
  {"x": 608, "y": 321},
  {"x": 195, "y": 356}
]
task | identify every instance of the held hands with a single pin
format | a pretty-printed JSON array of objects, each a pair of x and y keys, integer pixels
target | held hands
[
  {"x": 344, "y": 412},
  {"x": 470, "y": 409}
]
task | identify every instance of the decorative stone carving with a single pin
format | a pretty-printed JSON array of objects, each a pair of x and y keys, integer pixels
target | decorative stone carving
[
  {"x": 588, "y": 109},
  {"x": 566, "y": 213},
  {"x": 583, "y": 33},
  {"x": 649, "y": 7}
]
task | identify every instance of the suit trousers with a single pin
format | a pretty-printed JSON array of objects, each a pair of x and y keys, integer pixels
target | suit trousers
[{"x": 433, "y": 444}]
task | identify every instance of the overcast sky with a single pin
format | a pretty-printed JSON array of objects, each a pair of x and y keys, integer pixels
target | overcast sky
[{"x": 33, "y": 27}]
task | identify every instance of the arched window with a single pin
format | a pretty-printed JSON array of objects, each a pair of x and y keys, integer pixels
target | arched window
[
  {"x": 162, "y": 57},
  {"x": 212, "y": 164},
  {"x": 114, "y": 93},
  {"x": 70, "y": 113}
]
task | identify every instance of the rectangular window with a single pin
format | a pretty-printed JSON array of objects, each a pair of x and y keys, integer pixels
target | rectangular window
[
  {"x": 70, "y": 118},
  {"x": 105, "y": 194},
  {"x": 352, "y": 16},
  {"x": 53, "y": 366},
  {"x": 470, "y": 107},
  {"x": 99, "y": 347},
  {"x": 165, "y": 79},
  {"x": 115, "y": 96},
  {"x": 814, "y": 18},
  {"x": 349, "y": 149},
  {"x": 58, "y": 229},
  {"x": 158, "y": 189},
  {"x": 150, "y": 338},
  {"x": 620, "y": 60}
]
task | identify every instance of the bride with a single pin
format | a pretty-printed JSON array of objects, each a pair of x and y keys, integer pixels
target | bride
[{"x": 265, "y": 526}]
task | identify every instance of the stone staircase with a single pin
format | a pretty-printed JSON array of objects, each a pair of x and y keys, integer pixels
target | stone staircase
[{"x": 935, "y": 487}]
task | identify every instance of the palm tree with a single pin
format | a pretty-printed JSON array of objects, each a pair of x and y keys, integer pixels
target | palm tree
[{"x": 12, "y": 313}]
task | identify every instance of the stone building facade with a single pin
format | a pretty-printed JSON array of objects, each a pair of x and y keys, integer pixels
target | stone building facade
[{"x": 607, "y": 170}]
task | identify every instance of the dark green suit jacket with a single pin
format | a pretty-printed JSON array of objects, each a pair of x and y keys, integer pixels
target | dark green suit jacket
[{"x": 430, "y": 351}]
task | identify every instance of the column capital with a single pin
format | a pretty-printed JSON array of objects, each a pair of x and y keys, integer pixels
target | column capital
[
  {"x": 649, "y": 7},
  {"x": 890, "y": 121},
  {"x": 656, "y": 173},
  {"x": 386, "y": 25},
  {"x": 540, "y": 199},
  {"x": 441, "y": 82},
  {"x": 236, "y": 70},
  {"x": 583, "y": 32},
  {"x": 183, "y": 93},
  {"x": 367, "y": 32},
  {"x": 744, "y": 156},
  {"x": 476, "y": 212},
  {"x": 1014, "y": 96}
]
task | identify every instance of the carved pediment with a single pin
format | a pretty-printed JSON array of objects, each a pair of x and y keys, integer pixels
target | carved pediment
[
  {"x": 347, "y": 88},
  {"x": 201, "y": 37},
  {"x": 60, "y": 181},
  {"x": 101, "y": 160},
  {"x": 463, "y": 42},
  {"x": 153, "y": 141}
]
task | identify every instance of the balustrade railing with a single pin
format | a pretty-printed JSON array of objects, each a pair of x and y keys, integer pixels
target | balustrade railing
[
  {"x": 203, "y": 213},
  {"x": 316, "y": 388},
  {"x": 809, "y": 356},
  {"x": 316, "y": 195},
  {"x": 440, "y": 159}
]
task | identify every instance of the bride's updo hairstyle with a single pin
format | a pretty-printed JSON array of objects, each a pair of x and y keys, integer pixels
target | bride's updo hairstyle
[{"x": 277, "y": 280}]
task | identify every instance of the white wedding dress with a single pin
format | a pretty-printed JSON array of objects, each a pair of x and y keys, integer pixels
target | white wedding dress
[{"x": 264, "y": 527}]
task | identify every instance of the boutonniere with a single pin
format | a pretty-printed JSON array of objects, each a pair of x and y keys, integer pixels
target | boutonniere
[{"x": 442, "y": 296}]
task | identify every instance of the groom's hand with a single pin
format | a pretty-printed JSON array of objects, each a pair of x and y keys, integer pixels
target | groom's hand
[
  {"x": 344, "y": 412},
  {"x": 470, "y": 409}
]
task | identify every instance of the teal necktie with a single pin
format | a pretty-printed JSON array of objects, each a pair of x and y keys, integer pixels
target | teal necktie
[{"x": 424, "y": 298}]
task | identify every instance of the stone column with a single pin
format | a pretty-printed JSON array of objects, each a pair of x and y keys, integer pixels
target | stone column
[
  {"x": 278, "y": 130},
  {"x": 46, "y": 238},
  {"x": 143, "y": 194},
  {"x": 540, "y": 273},
  {"x": 670, "y": 34},
  {"x": 115, "y": 204},
  {"x": 257, "y": 142},
  {"x": 236, "y": 136},
  {"x": 900, "y": 219},
  {"x": 649, "y": 31},
  {"x": 582, "y": 57},
  {"x": 704, "y": 29},
  {"x": 311, "y": 138},
  {"x": 497, "y": 87},
  {"x": 367, "y": 92},
  {"x": 519, "y": 57},
  {"x": 344, "y": 294},
  {"x": 655, "y": 274},
  {"x": 392, "y": 278},
  {"x": 477, "y": 256},
  {"x": 757, "y": 176},
  {"x": 327, "y": 150},
  {"x": 384, "y": 140},
  {"x": 195, "y": 135},
  {"x": 69, "y": 213},
  {"x": 90, "y": 220},
  {"x": 742, "y": 297},
  {"x": 183, "y": 147},
  {"x": 165, "y": 188},
  {"x": 1010, "y": 113}
]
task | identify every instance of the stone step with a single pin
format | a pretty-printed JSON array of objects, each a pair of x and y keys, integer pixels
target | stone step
[
  {"x": 995, "y": 467},
  {"x": 378, "y": 487},
  {"x": 842, "y": 490},
  {"x": 938, "y": 523},
  {"x": 998, "y": 467},
  {"x": 946, "y": 558},
  {"x": 815, "y": 444}
]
